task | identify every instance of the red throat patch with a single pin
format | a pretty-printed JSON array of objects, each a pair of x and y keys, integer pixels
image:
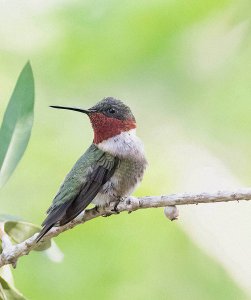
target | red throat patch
[{"x": 105, "y": 127}]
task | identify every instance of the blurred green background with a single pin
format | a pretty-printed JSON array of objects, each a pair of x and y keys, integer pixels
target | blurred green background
[{"x": 184, "y": 68}]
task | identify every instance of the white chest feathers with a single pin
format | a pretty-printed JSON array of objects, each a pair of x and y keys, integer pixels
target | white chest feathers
[{"x": 124, "y": 145}]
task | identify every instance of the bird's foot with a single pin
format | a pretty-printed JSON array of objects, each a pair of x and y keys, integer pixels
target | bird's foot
[{"x": 115, "y": 207}]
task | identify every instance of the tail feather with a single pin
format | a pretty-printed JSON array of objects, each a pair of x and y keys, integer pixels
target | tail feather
[
  {"x": 43, "y": 232},
  {"x": 53, "y": 218}
]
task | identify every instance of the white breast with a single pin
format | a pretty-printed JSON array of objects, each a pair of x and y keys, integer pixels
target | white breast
[
  {"x": 130, "y": 150},
  {"x": 124, "y": 145}
]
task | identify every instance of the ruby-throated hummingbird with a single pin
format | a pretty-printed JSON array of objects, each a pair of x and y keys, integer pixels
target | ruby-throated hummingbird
[{"x": 109, "y": 170}]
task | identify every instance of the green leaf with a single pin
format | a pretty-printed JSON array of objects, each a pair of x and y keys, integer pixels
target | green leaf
[
  {"x": 8, "y": 291},
  {"x": 17, "y": 124},
  {"x": 19, "y": 231}
]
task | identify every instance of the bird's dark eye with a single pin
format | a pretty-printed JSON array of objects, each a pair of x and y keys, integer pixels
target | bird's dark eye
[{"x": 111, "y": 110}]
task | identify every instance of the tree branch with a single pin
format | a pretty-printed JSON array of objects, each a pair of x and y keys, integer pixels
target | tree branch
[{"x": 11, "y": 253}]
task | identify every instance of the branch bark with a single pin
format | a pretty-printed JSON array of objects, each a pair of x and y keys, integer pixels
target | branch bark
[{"x": 11, "y": 253}]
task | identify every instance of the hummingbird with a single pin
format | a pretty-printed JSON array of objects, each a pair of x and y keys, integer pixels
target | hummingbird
[{"x": 108, "y": 171}]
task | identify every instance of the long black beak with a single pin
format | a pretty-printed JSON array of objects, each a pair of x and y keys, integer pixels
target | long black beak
[{"x": 85, "y": 111}]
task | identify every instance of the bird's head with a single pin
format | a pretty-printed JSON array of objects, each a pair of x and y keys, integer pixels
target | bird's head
[{"x": 109, "y": 118}]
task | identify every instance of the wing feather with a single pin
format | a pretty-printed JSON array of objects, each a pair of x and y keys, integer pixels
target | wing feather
[{"x": 77, "y": 191}]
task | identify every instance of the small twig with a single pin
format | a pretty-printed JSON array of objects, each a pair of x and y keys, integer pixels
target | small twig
[{"x": 11, "y": 253}]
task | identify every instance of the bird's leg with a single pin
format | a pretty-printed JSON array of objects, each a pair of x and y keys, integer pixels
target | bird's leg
[
  {"x": 115, "y": 208},
  {"x": 106, "y": 214}
]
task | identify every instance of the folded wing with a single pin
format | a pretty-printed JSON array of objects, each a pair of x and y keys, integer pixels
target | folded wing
[{"x": 80, "y": 187}]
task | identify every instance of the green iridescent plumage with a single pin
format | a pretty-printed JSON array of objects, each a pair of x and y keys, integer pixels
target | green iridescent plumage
[{"x": 80, "y": 187}]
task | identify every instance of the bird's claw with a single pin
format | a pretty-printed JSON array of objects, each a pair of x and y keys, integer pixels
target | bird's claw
[{"x": 115, "y": 208}]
